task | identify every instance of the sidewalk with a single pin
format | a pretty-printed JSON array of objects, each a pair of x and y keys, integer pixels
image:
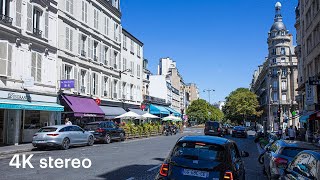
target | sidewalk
[{"x": 4, "y": 150}]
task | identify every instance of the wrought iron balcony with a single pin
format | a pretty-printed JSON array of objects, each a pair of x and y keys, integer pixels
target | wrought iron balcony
[
  {"x": 37, "y": 32},
  {"x": 83, "y": 53},
  {"x": 6, "y": 19}
]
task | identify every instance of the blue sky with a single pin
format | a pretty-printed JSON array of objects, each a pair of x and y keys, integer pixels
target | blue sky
[{"x": 216, "y": 44}]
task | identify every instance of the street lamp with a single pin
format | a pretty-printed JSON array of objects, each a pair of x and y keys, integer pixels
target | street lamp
[
  {"x": 209, "y": 91},
  {"x": 121, "y": 72}
]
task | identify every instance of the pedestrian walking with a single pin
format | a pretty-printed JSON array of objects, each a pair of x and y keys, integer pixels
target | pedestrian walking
[
  {"x": 67, "y": 122},
  {"x": 291, "y": 133}
]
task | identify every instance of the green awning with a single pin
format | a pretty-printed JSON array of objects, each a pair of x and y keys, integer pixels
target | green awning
[{"x": 25, "y": 105}]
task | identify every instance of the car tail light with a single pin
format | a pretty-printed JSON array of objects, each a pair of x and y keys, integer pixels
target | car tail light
[
  {"x": 100, "y": 130},
  {"x": 219, "y": 129},
  {"x": 52, "y": 134},
  {"x": 228, "y": 175},
  {"x": 164, "y": 170},
  {"x": 280, "y": 162}
]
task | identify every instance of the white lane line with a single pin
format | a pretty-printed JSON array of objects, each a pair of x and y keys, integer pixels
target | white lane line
[
  {"x": 131, "y": 178},
  {"x": 156, "y": 167}
]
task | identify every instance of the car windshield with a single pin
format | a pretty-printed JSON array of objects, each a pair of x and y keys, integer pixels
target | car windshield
[
  {"x": 214, "y": 124},
  {"x": 91, "y": 126},
  {"x": 199, "y": 151},
  {"x": 48, "y": 129},
  {"x": 291, "y": 152}
]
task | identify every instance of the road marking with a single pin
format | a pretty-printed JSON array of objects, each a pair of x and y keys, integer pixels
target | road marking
[
  {"x": 131, "y": 178},
  {"x": 156, "y": 167}
]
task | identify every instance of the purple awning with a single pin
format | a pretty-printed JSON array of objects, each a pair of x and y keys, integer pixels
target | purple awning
[{"x": 83, "y": 107}]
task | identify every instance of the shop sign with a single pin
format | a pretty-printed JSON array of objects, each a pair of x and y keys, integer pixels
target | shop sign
[
  {"x": 89, "y": 115},
  {"x": 309, "y": 94},
  {"x": 69, "y": 83},
  {"x": 24, "y": 97}
]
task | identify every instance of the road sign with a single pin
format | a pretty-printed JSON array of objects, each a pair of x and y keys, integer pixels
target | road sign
[{"x": 67, "y": 83}]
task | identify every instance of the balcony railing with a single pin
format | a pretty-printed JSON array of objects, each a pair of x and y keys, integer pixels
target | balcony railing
[
  {"x": 37, "y": 32},
  {"x": 83, "y": 53},
  {"x": 5, "y": 19}
]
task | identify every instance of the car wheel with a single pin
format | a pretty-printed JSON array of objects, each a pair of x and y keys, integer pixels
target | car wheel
[
  {"x": 107, "y": 139},
  {"x": 65, "y": 144},
  {"x": 122, "y": 137},
  {"x": 90, "y": 141}
]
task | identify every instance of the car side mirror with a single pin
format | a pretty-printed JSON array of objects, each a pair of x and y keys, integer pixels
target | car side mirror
[{"x": 244, "y": 154}]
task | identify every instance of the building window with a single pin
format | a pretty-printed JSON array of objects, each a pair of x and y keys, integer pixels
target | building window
[
  {"x": 83, "y": 45},
  {"x": 95, "y": 51},
  {"x": 69, "y": 39},
  {"x": 275, "y": 96},
  {"x": 282, "y": 33},
  {"x": 274, "y": 61},
  {"x": 275, "y": 84},
  {"x": 132, "y": 67},
  {"x": 273, "y": 51},
  {"x": 115, "y": 56},
  {"x": 106, "y": 52},
  {"x": 95, "y": 81},
  {"x": 283, "y": 60},
  {"x": 84, "y": 9},
  {"x": 284, "y": 97},
  {"x": 96, "y": 19},
  {"x": 283, "y": 51},
  {"x": 105, "y": 86},
  {"x": 284, "y": 72},
  {"x": 132, "y": 47},
  {"x": 83, "y": 74},
  {"x": 36, "y": 63},
  {"x": 138, "y": 50},
  {"x": 125, "y": 42},
  {"x": 284, "y": 85},
  {"x": 138, "y": 70},
  {"x": 4, "y": 7},
  {"x": 274, "y": 72},
  {"x": 69, "y": 6},
  {"x": 36, "y": 21},
  {"x": 124, "y": 64},
  {"x": 115, "y": 84},
  {"x": 116, "y": 32}
]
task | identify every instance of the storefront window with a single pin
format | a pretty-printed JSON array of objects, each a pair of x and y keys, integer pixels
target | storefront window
[{"x": 36, "y": 119}]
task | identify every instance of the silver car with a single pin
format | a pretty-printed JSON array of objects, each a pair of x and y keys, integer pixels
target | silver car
[{"x": 62, "y": 136}]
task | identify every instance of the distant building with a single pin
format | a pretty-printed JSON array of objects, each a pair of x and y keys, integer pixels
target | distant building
[
  {"x": 220, "y": 104},
  {"x": 193, "y": 91},
  {"x": 276, "y": 80}
]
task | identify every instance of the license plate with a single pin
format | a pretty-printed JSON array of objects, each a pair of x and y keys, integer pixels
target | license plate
[
  {"x": 195, "y": 173},
  {"x": 211, "y": 130},
  {"x": 40, "y": 141}
]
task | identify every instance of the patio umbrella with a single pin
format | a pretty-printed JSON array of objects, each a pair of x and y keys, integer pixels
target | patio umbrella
[
  {"x": 170, "y": 118},
  {"x": 127, "y": 115},
  {"x": 148, "y": 115}
]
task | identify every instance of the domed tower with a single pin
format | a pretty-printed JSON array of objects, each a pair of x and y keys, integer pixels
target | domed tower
[{"x": 282, "y": 73}]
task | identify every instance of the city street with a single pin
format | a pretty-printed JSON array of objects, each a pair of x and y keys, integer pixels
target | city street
[{"x": 132, "y": 159}]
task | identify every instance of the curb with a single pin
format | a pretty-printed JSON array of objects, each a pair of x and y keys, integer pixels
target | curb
[{"x": 15, "y": 151}]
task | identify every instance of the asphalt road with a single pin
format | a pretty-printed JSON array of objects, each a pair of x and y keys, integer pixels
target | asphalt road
[{"x": 133, "y": 159}]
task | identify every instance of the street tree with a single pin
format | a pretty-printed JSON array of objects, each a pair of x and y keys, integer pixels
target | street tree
[
  {"x": 201, "y": 111},
  {"x": 240, "y": 104}
]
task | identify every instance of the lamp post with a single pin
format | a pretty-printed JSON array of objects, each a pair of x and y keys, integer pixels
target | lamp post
[
  {"x": 209, "y": 91},
  {"x": 121, "y": 72}
]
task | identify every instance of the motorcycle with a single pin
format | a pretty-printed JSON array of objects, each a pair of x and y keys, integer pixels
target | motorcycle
[{"x": 167, "y": 131}]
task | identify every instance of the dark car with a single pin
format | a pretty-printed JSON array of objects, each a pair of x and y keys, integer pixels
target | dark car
[
  {"x": 213, "y": 128},
  {"x": 203, "y": 157},
  {"x": 281, "y": 153},
  {"x": 306, "y": 165},
  {"x": 239, "y": 131},
  {"x": 105, "y": 131}
]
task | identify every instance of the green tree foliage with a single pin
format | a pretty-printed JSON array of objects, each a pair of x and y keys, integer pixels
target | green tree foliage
[
  {"x": 240, "y": 104},
  {"x": 201, "y": 111}
]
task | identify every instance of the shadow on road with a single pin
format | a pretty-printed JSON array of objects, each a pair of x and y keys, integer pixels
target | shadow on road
[{"x": 131, "y": 171}]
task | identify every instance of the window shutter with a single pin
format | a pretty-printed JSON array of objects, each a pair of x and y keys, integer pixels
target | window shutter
[
  {"x": 9, "y": 68},
  {"x": 71, "y": 6},
  {"x": 39, "y": 65},
  {"x": 63, "y": 67},
  {"x": 119, "y": 90},
  {"x": 67, "y": 38},
  {"x": 82, "y": 11},
  {"x": 92, "y": 44},
  {"x": 67, "y": 5},
  {"x": 120, "y": 32},
  {"x": 89, "y": 46},
  {"x": 34, "y": 65},
  {"x": 86, "y": 12},
  {"x": 46, "y": 25},
  {"x": 88, "y": 82},
  {"x": 18, "y": 12},
  {"x": 100, "y": 54},
  {"x": 105, "y": 25},
  {"x": 29, "y": 17},
  {"x": 75, "y": 77},
  {"x": 108, "y": 26},
  {"x": 96, "y": 83},
  {"x": 110, "y": 58},
  {"x": 110, "y": 88},
  {"x": 79, "y": 43},
  {"x": 71, "y": 40},
  {"x": 102, "y": 85},
  {"x": 119, "y": 61}
]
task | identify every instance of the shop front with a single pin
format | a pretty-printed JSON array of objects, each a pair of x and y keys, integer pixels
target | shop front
[
  {"x": 80, "y": 110},
  {"x": 22, "y": 114}
]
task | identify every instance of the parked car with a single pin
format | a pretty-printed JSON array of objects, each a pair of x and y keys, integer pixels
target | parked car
[
  {"x": 203, "y": 157},
  {"x": 239, "y": 131},
  {"x": 306, "y": 165},
  {"x": 105, "y": 131},
  {"x": 213, "y": 128},
  {"x": 62, "y": 136},
  {"x": 281, "y": 153}
]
